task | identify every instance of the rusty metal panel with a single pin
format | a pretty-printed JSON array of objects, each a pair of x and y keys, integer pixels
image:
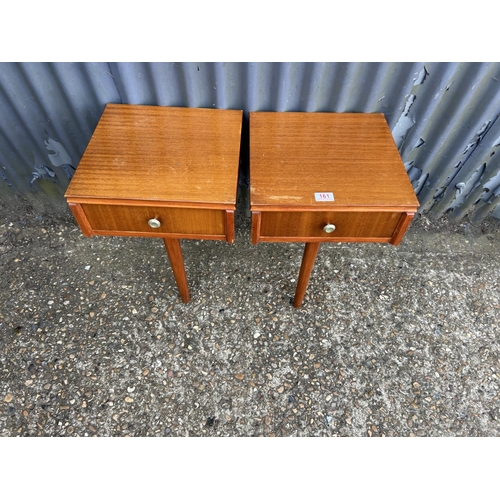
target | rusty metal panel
[{"x": 443, "y": 116}]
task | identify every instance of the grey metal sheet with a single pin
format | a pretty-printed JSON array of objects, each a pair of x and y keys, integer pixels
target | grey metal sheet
[{"x": 444, "y": 116}]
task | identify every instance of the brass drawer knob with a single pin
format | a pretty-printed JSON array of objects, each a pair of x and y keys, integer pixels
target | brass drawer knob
[
  {"x": 329, "y": 228},
  {"x": 154, "y": 223}
]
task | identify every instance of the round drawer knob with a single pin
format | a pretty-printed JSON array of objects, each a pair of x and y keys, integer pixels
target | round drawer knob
[
  {"x": 154, "y": 223},
  {"x": 329, "y": 228}
]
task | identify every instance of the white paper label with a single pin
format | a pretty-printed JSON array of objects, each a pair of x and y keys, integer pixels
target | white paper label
[{"x": 323, "y": 196}]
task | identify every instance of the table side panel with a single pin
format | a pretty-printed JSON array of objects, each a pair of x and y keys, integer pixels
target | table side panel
[
  {"x": 81, "y": 218},
  {"x": 403, "y": 225}
]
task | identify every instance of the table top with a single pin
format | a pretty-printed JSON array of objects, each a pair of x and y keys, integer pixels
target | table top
[
  {"x": 352, "y": 155},
  {"x": 161, "y": 154}
]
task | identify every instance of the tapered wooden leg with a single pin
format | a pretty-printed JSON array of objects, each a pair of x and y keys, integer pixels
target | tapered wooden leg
[
  {"x": 310, "y": 252},
  {"x": 174, "y": 252}
]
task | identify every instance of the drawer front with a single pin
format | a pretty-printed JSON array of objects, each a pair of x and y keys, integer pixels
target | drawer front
[
  {"x": 134, "y": 219},
  {"x": 348, "y": 225}
]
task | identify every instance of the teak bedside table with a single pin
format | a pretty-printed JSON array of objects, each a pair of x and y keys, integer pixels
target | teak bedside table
[
  {"x": 326, "y": 177},
  {"x": 160, "y": 172}
]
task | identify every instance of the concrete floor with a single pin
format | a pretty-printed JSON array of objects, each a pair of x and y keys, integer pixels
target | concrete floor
[{"x": 390, "y": 341}]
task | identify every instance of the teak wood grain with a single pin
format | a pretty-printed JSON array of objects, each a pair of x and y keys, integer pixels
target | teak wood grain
[
  {"x": 360, "y": 225},
  {"x": 161, "y": 153},
  {"x": 172, "y": 220},
  {"x": 351, "y": 155},
  {"x": 176, "y": 165},
  {"x": 306, "y": 267},
  {"x": 174, "y": 253}
]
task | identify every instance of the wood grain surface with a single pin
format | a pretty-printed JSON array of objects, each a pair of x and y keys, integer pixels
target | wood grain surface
[
  {"x": 172, "y": 220},
  {"x": 308, "y": 258},
  {"x": 311, "y": 224},
  {"x": 352, "y": 155},
  {"x": 161, "y": 154}
]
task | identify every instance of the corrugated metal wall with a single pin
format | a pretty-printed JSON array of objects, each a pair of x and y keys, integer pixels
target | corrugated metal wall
[{"x": 444, "y": 116}]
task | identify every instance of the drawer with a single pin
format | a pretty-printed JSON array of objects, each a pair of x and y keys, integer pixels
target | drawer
[
  {"x": 349, "y": 226},
  {"x": 133, "y": 220}
]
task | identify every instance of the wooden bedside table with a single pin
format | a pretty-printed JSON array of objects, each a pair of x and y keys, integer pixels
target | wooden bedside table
[
  {"x": 160, "y": 172},
  {"x": 326, "y": 177}
]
